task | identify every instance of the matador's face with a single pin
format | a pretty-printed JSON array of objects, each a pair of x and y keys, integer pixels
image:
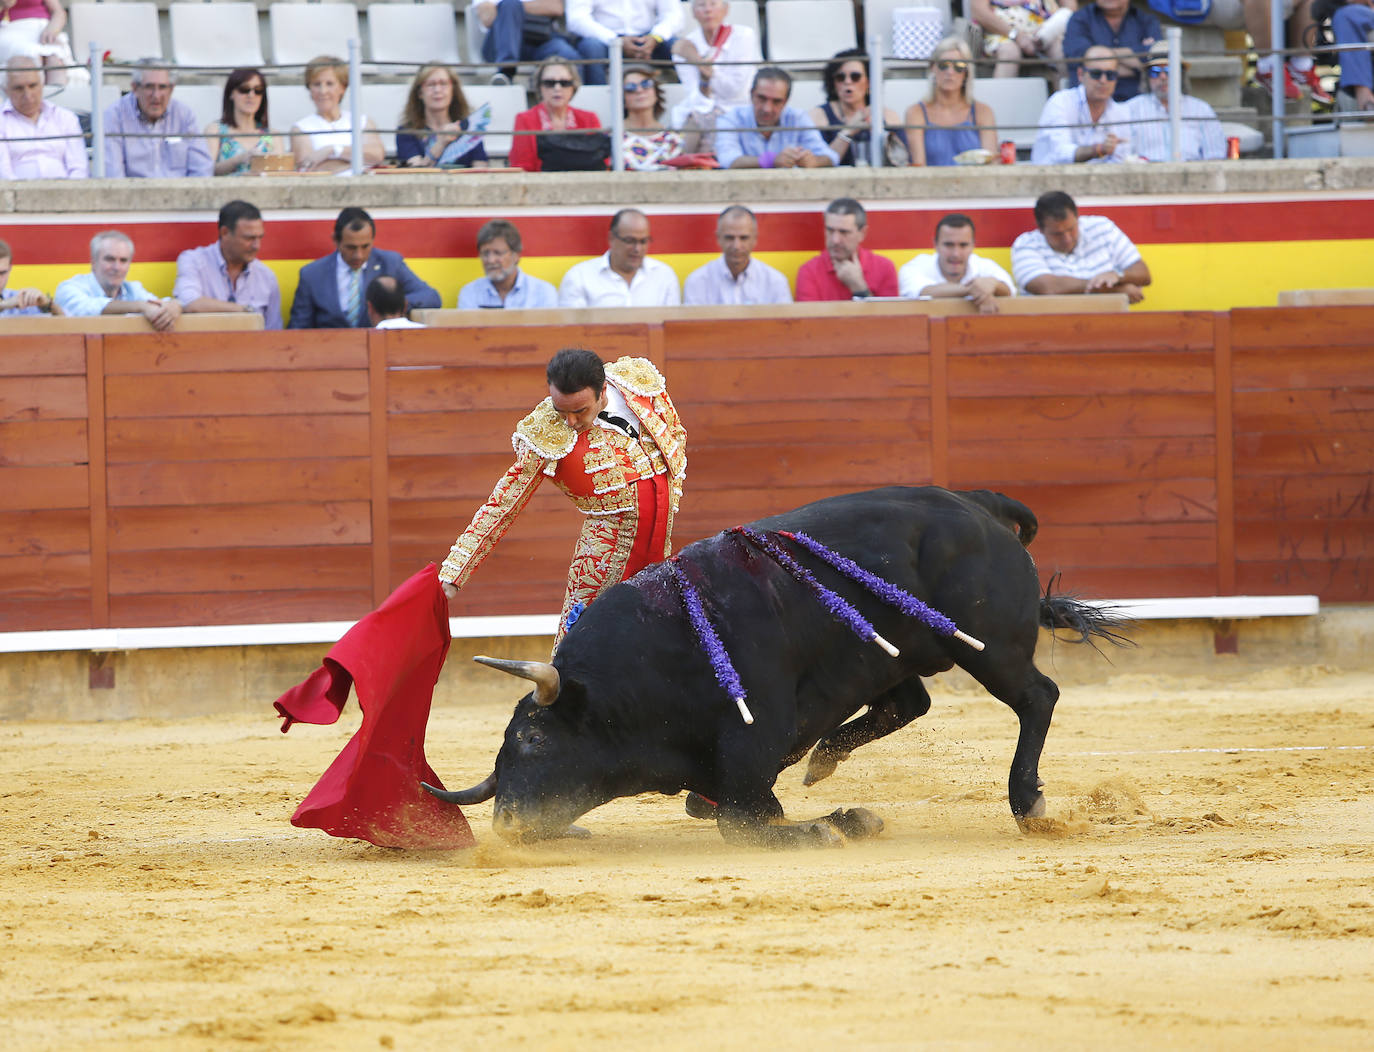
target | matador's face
[{"x": 580, "y": 408}]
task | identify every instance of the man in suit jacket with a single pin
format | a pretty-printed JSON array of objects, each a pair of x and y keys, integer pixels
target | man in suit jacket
[{"x": 332, "y": 293}]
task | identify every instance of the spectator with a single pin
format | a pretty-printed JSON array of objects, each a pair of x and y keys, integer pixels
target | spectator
[
  {"x": 505, "y": 284},
  {"x": 38, "y": 140},
  {"x": 843, "y": 119},
  {"x": 149, "y": 134},
  {"x": 34, "y": 28},
  {"x": 242, "y": 131},
  {"x": 1065, "y": 255},
  {"x": 647, "y": 144},
  {"x": 436, "y": 118},
  {"x": 845, "y": 270},
  {"x": 520, "y": 31},
  {"x": 715, "y": 63},
  {"x": 768, "y": 133},
  {"x": 644, "y": 29},
  {"x": 1017, "y": 31},
  {"x": 557, "y": 83},
  {"x": 955, "y": 271},
  {"x": 227, "y": 276},
  {"x": 950, "y": 121},
  {"x": 1253, "y": 16},
  {"x": 1353, "y": 23},
  {"x": 1127, "y": 30},
  {"x": 735, "y": 278},
  {"x": 1199, "y": 130},
  {"x": 323, "y": 141},
  {"x": 17, "y": 302},
  {"x": 625, "y": 276},
  {"x": 386, "y": 304},
  {"x": 1080, "y": 125},
  {"x": 330, "y": 292},
  {"x": 105, "y": 290}
]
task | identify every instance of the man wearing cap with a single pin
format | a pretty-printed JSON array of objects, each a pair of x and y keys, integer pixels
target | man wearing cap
[{"x": 1200, "y": 134}]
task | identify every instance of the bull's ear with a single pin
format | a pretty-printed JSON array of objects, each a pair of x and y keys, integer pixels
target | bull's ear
[{"x": 572, "y": 700}]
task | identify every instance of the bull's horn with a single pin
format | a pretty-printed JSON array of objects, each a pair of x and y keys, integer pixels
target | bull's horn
[
  {"x": 478, "y": 794},
  {"x": 543, "y": 675}
]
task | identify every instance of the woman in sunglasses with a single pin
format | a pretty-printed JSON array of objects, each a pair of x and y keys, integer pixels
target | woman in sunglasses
[
  {"x": 557, "y": 83},
  {"x": 647, "y": 143},
  {"x": 242, "y": 131},
  {"x": 843, "y": 120},
  {"x": 949, "y": 121}
]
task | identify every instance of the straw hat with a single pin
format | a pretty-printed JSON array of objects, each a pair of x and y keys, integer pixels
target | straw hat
[{"x": 1159, "y": 54}]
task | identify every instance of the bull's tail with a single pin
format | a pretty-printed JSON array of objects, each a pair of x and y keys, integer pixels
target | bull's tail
[
  {"x": 1011, "y": 513},
  {"x": 1067, "y": 612}
]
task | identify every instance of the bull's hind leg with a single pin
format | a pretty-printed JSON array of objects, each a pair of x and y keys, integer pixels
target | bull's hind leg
[
  {"x": 887, "y": 713},
  {"x": 1034, "y": 707}
]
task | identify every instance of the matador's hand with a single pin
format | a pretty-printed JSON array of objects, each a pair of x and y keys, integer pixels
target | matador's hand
[{"x": 449, "y": 590}]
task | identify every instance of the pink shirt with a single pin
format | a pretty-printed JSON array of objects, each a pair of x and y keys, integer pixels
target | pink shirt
[
  {"x": 27, "y": 154},
  {"x": 28, "y": 9}
]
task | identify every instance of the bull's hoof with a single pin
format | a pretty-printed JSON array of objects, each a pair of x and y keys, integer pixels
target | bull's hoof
[
  {"x": 575, "y": 833},
  {"x": 821, "y": 833},
  {"x": 856, "y": 823},
  {"x": 1036, "y": 811},
  {"x": 697, "y": 806},
  {"x": 822, "y": 765}
]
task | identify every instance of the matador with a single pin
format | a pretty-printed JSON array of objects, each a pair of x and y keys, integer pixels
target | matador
[{"x": 610, "y": 438}]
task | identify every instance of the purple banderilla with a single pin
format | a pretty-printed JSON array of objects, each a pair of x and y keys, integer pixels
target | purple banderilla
[{"x": 710, "y": 642}]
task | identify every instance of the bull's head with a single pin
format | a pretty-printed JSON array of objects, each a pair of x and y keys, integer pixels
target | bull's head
[{"x": 542, "y": 779}]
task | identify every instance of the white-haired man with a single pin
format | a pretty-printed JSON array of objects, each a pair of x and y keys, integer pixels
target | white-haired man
[
  {"x": 149, "y": 134},
  {"x": 105, "y": 289},
  {"x": 38, "y": 139}
]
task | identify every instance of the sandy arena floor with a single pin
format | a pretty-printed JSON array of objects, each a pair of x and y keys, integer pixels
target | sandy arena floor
[{"x": 1207, "y": 881}]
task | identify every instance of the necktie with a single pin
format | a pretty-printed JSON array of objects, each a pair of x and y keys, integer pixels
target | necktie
[
  {"x": 355, "y": 285},
  {"x": 620, "y": 422}
]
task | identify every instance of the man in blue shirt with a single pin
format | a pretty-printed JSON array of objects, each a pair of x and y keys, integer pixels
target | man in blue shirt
[
  {"x": 505, "y": 285},
  {"x": 768, "y": 133},
  {"x": 105, "y": 288},
  {"x": 1127, "y": 30}
]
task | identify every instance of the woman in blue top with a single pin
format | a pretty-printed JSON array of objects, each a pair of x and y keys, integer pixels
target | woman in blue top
[
  {"x": 843, "y": 120},
  {"x": 949, "y": 121},
  {"x": 435, "y": 117}
]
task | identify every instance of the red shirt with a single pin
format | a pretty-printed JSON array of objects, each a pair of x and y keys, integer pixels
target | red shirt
[
  {"x": 816, "y": 280},
  {"x": 524, "y": 149}
]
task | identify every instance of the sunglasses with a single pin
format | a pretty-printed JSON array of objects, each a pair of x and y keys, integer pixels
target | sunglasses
[
  {"x": 637, "y": 85},
  {"x": 1100, "y": 74},
  {"x": 1159, "y": 71},
  {"x": 244, "y": 89},
  {"x": 555, "y": 82},
  {"x": 853, "y": 76},
  {"x": 945, "y": 65}
]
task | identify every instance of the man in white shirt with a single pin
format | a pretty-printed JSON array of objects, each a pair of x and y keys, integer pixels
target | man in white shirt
[
  {"x": 1200, "y": 134},
  {"x": 625, "y": 276},
  {"x": 736, "y": 278},
  {"x": 38, "y": 140},
  {"x": 386, "y": 304},
  {"x": 1084, "y": 125},
  {"x": 954, "y": 270},
  {"x": 1066, "y": 255},
  {"x": 643, "y": 29}
]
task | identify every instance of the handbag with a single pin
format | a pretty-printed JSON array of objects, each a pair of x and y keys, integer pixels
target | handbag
[{"x": 568, "y": 152}]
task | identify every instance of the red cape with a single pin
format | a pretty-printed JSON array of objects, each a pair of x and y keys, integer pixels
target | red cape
[{"x": 372, "y": 789}]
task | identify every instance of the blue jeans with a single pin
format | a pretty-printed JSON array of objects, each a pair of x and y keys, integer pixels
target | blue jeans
[
  {"x": 505, "y": 41},
  {"x": 1352, "y": 24},
  {"x": 591, "y": 48}
]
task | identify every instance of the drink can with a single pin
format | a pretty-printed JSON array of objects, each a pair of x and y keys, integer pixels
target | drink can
[
  {"x": 1233, "y": 148},
  {"x": 1009, "y": 152}
]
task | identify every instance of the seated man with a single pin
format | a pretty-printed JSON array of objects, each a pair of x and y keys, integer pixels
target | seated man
[
  {"x": 955, "y": 271},
  {"x": 845, "y": 270},
  {"x": 1200, "y": 134},
  {"x": 386, "y": 304},
  {"x": 625, "y": 276},
  {"x": 176, "y": 147},
  {"x": 1065, "y": 255},
  {"x": 38, "y": 140},
  {"x": 505, "y": 285},
  {"x": 520, "y": 31},
  {"x": 1353, "y": 23},
  {"x": 735, "y": 277},
  {"x": 644, "y": 30},
  {"x": 104, "y": 289},
  {"x": 1084, "y": 124},
  {"x": 227, "y": 276},
  {"x": 768, "y": 133},
  {"x": 16, "y": 302},
  {"x": 330, "y": 292},
  {"x": 1123, "y": 29}
]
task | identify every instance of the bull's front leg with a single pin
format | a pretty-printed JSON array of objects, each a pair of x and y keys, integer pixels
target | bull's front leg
[{"x": 887, "y": 713}]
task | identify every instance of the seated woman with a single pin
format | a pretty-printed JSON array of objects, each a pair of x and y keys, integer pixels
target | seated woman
[
  {"x": 35, "y": 28},
  {"x": 846, "y": 113},
  {"x": 647, "y": 144},
  {"x": 1018, "y": 30},
  {"x": 949, "y": 122},
  {"x": 323, "y": 141},
  {"x": 433, "y": 126},
  {"x": 705, "y": 62},
  {"x": 557, "y": 83},
  {"x": 241, "y": 133}
]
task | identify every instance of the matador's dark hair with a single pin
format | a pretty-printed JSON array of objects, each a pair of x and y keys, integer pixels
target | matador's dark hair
[{"x": 573, "y": 368}]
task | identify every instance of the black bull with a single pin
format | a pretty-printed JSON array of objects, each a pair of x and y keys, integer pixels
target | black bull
[{"x": 631, "y": 704}]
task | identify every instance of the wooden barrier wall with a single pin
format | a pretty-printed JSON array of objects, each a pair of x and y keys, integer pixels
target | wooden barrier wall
[{"x": 185, "y": 479}]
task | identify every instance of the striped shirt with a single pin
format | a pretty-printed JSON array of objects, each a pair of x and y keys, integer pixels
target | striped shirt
[
  {"x": 1101, "y": 247},
  {"x": 1199, "y": 129}
]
